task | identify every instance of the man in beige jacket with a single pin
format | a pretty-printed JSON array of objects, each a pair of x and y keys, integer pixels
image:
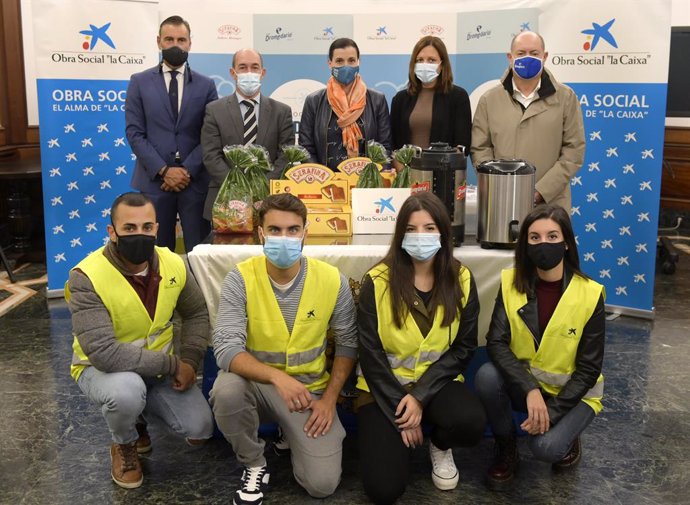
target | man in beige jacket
[{"x": 533, "y": 117}]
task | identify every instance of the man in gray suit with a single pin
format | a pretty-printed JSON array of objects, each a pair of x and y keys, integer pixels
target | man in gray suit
[{"x": 246, "y": 117}]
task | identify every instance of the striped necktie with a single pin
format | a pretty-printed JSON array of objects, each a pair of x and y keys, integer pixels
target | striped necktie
[{"x": 250, "y": 126}]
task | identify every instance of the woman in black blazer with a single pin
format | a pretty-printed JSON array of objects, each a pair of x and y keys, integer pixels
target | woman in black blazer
[{"x": 432, "y": 108}]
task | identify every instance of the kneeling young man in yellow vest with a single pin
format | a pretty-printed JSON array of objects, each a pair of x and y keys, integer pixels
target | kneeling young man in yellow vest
[
  {"x": 122, "y": 299},
  {"x": 270, "y": 345}
]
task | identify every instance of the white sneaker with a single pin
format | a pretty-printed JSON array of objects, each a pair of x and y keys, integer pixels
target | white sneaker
[
  {"x": 445, "y": 473},
  {"x": 254, "y": 483}
]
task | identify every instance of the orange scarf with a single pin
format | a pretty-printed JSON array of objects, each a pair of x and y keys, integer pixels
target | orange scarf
[{"x": 348, "y": 107}]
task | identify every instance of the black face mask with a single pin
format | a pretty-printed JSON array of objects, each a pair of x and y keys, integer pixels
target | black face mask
[
  {"x": 546, "y": 255},
  {"x": 174, "y": 56},
  {"x": 135, "y": 248}
]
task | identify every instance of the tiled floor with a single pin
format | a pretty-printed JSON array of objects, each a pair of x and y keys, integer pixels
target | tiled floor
[{"x": 54, "y": 444}]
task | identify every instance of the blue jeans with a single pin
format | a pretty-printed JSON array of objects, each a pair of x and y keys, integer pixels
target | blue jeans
[
  {"x": 500, "y": 400},
  {"x": 124, "y": 396}
]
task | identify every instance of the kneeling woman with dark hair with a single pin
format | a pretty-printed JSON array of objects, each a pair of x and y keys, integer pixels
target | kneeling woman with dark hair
[
  {"x": 546, "y": 344},
  {"x": 417, "y": 319}
]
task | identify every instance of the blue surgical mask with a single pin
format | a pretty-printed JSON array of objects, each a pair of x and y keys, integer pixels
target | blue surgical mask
[
  {"x": 426, "y": 72},
  {"x": 345, "y": 74},
  {"x": 421, "y": 246},
  {"x": 527, "y": 67},
  {"x": 249, "y": 83},
  {"x": 281, "y": 251}
]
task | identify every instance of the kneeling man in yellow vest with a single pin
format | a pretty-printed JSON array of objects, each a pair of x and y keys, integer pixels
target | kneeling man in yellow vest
[
  {"x": 270, "y": 345},
  {"x": 122, "y": 299}
]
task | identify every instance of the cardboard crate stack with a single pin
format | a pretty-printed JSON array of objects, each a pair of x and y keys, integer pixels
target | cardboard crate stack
[{"x": 327, "y": 198}]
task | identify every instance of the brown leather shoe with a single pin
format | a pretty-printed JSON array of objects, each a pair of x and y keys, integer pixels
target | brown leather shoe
[
  {"x": 501, "y": 472},
  {"x": 126, "y": 468},
  {"x": 571, "y": 458},
  {"x": 144, "y": 441}
]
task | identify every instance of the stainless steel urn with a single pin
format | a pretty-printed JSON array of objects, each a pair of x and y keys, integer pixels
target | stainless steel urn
[
  {"x": 442, "y": 170},
  {"x": 505, "y": 196}
]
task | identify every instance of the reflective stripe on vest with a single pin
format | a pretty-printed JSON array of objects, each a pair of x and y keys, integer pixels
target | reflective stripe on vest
[
  {"x": 409, "y": 353},
  {"x": 131, "y": 321},
  {"x": 302, "y": 353},
  {"x": 554, "y": 362}
]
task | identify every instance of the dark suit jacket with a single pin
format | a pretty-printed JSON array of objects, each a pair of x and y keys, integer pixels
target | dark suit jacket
[
  {"x": 154, "y": 137},
  {"x": 316, "y": 114},
  {"x": 451, "y": 118},
  {"x": 224, "y": 126}
]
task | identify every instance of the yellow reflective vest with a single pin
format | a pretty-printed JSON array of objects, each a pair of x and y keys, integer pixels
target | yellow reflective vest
[
  {"x": 409, "y": 353},
  {"x": 301, "y": 353},
  {"x": 131, "y": 321},
  {"x": 553, "y": 362}
]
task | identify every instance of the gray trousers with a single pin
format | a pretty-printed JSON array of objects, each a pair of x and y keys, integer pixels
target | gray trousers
[
  {"x": 240, "y": 406},
  {"x": 124, "y": 396}
]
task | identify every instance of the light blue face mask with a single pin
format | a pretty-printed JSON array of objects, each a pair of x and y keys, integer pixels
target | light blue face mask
[
  {"x": 421, "y": 246},
  {"x": 527, "y": 67},
  {"x": 345, "y": 74},
  {"x": 249, "y": 83},
  {"x": 426, "y": 72},
  {"x": 281, "y": 251}
]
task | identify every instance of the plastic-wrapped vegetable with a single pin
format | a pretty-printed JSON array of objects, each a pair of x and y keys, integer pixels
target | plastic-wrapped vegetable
[
  {"x": 294, "y": 155},
  {"x": 370, "y": 177},
  {"x": 404, "y": 156},
  {"x": 256, "y": 175},
  {"x": 232, "y": 209}
]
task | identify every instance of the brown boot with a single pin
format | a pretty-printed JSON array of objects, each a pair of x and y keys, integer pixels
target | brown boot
[
  {"x": 126, "y": 468},
  {"x": 144, "y": 441},
  {"x": 501, "y": 472},
  {"x": 571, "y": 458}
]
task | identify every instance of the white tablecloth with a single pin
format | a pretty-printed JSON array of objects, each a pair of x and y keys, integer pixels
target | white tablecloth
[{"x": 210, "y": 264}]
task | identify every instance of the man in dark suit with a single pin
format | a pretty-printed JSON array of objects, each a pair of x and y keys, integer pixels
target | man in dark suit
[
  {"x": 164, "y": 112},
  {"x": 246, "y": 117}
]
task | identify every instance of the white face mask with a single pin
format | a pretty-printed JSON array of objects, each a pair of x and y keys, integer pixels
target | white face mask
[
  {"x": 426, "y": 72},
  {"x": 249, "y": 83}
]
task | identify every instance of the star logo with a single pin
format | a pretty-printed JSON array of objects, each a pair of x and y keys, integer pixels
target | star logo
[
  {"x": 311, "y": 314},
  {"x": 572, "y": 331},
  {"x": 381, "y": 30},
  {"x": 172, "y": 281},
  {"x": 95, "y": 34},
  {"x": 599, "y": 32},
  {"x": 384, "y": 203}
]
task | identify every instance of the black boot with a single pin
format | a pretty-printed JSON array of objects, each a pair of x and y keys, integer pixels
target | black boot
[
  {"x": 571, "y": 458},
  {"x": 506, "y": 460}
]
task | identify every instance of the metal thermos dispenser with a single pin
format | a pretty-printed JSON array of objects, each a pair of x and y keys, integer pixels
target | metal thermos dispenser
[
  {"x": 505, "y": 195},
  {"x": 442, "y": 170}
]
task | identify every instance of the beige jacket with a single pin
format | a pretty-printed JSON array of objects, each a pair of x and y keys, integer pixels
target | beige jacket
[{"x": 549, "y": 134}]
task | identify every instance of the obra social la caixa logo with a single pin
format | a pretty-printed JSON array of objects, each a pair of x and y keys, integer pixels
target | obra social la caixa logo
[
  {"x": 599, "y": 38},
  {"x": 97, "y": 40}
]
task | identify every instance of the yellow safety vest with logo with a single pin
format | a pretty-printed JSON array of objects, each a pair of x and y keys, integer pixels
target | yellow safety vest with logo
[
  {"x": 409, "y": 353},
  {"x": 553, "y": 363},
  {"x": 131, "y": 321},
  {"x": 301, "y": 353}
]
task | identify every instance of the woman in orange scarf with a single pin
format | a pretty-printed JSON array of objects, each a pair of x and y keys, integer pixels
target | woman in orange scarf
[{"x": 338, "y": 121}]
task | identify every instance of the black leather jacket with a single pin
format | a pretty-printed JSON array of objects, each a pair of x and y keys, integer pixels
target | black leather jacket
[
  {"x": 383, "y": 385},
  {"x": 317, "y": 113},
  {"x": 588, "y": 362}
]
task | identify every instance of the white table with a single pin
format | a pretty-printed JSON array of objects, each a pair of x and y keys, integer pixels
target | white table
[{"x": 211, "y": 263}]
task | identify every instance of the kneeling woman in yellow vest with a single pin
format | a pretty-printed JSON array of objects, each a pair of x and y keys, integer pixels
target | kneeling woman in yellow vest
[
  {"x": 546, "y": 344},
  {"x": 417, "y": 320}
]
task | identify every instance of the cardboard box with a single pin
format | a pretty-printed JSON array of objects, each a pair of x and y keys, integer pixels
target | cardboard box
[
  {"x": 326, "y": 198},
  {"x": 375, "y": 211},
  {"x": 313, "y": 184},
  {"x": 329, "y": 220}
]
